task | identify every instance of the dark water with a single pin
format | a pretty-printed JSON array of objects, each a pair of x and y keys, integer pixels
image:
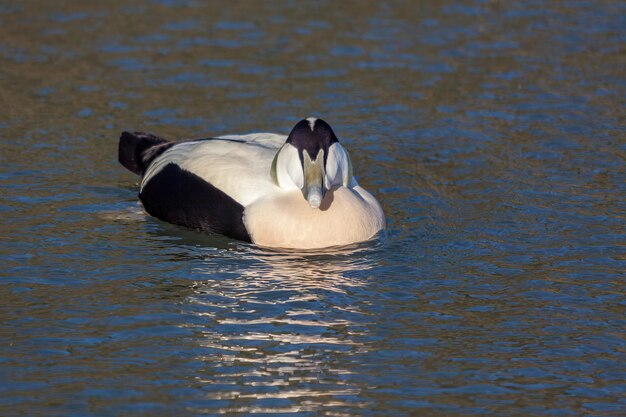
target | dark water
[{"x": 493, "y": 133}]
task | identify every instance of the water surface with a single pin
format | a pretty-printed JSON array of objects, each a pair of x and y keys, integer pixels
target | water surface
[{"x": 491, "y": 132}]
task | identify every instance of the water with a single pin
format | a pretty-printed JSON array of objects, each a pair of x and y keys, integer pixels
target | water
[{"x": 491, "y": 132}]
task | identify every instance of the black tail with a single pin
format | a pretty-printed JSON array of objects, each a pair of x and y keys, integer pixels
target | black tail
[{"x": 132, "y": 150}]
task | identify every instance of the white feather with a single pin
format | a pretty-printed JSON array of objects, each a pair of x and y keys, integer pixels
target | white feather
[
  {"x": 346, "y": 215},
  {"x": 268, "y": 140},
  {"x": 289, "y": 169},
  {"x": 241, "y": 170},
  {"x": 338, "y": 169}
]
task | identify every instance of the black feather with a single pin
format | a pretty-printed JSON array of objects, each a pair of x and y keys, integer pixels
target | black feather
[
  {"x": 181, "y": 197},
  {"x": 320, "y": 137},
  {"x": 136, "y": 150}
]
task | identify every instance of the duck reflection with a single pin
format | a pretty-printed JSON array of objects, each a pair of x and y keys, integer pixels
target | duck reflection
[{"x": 276, "y": 326}]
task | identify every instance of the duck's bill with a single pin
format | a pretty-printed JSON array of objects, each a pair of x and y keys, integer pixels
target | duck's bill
[
  {"x": 313, "y": 189},
  {"x": 315, "y": 196}
]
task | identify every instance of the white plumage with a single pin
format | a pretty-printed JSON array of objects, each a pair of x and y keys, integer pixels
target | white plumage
[{"x": 239, "y": 166}]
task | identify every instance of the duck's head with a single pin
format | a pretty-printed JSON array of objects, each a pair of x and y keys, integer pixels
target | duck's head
[{"x": 313, "y": 161}]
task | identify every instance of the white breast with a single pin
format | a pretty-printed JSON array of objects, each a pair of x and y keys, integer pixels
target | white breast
[{"x": 346, "y": 215}]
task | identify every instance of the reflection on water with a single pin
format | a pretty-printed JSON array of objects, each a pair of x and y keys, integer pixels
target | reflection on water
[
  {"x": 491, "y": 132},
  {"x": 281, "y": 328}
]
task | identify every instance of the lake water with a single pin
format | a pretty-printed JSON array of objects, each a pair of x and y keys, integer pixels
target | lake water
[{"x": 493, "y": 133}]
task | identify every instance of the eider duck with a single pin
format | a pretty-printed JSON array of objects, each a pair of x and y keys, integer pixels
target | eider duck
[{"x": 296, "y": 191}]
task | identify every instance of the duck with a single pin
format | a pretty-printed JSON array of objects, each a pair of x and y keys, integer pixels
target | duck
[{"x": 295, "y": 191}]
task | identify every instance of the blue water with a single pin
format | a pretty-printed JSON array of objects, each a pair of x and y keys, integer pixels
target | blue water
[{"x": 492, "y": 133}]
